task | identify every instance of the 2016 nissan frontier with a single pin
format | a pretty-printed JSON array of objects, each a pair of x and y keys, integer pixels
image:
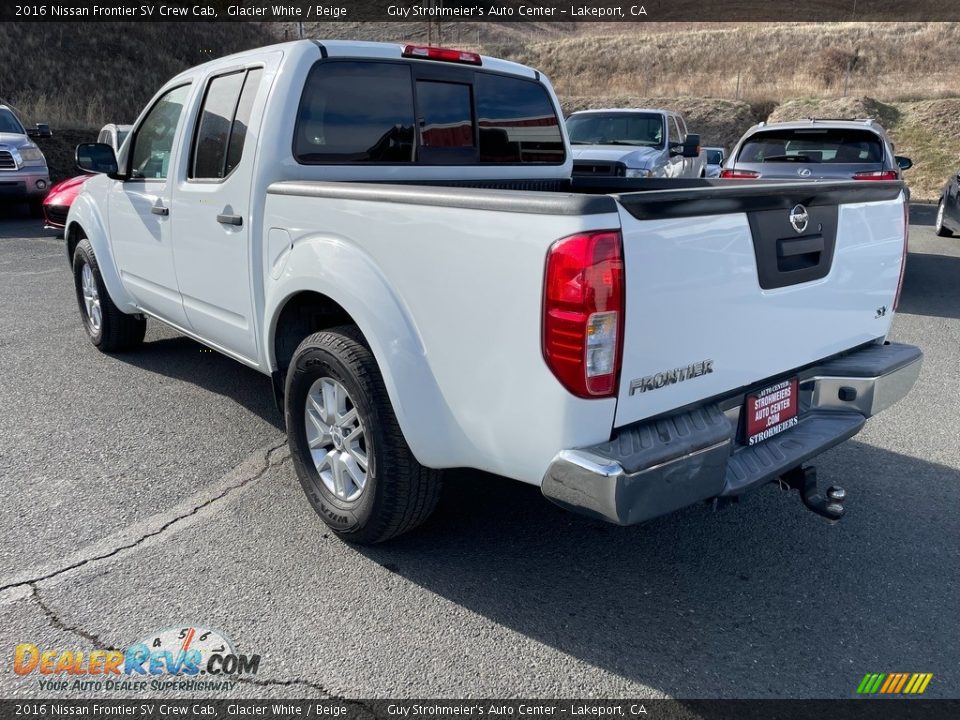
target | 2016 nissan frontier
[{"x": 392, "y": 233}]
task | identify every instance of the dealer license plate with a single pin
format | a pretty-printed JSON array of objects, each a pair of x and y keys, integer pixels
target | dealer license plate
[{"x": 771, "y": 411}]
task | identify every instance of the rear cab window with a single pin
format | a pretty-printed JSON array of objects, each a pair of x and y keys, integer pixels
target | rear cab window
[
  {"x": 389, "y": 112},
  {"x": 813, "y": 145}
]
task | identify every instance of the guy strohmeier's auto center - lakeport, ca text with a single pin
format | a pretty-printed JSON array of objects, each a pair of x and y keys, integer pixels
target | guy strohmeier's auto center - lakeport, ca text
[{"x": 281, "y": 11}]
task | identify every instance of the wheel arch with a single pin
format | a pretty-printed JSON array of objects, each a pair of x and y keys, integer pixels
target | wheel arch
[
  {"x": 346, "y": 287},
  {"x": 85, "y": 220}
]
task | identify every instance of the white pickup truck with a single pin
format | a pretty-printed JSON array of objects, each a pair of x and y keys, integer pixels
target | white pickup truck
[
  {"x": 392, "y": 233},
  {"x": 634, "y": 143}
]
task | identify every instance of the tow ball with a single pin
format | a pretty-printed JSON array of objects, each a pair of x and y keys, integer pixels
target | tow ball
[{"x": 804, "y": 480}]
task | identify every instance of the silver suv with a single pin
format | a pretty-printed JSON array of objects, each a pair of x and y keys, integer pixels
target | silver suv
[
  {"x": 815, "y": 149},
  {"x": 23, "y": 168}
]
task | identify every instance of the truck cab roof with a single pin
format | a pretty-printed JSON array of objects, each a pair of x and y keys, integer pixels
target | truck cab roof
[{"x": 348, "y": 49}]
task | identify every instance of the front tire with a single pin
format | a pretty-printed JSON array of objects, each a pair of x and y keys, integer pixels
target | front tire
[
  {"x": 349, "y": 452},
  {"x": 109, "y": 329},
  {"x": 941, "y": 229}
]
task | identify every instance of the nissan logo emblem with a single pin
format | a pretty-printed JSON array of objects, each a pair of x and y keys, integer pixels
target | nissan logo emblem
[
  {"x": 804, "y": 172},
  {"x": 799, "y": 218}
]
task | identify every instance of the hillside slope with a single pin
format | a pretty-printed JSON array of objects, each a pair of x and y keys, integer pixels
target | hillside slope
[
  {"x": 80, "y": 76},
  {"x": 85, "y": 75},
  {"x": 889, "y": 61}
]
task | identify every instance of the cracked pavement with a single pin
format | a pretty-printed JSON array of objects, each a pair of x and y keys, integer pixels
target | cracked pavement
[{"x": 154, "y": 490}]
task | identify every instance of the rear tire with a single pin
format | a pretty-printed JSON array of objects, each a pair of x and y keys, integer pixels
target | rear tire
[
  {"x": 349, "y": 452},
  {"x": 941, "y": 229},
  {"x": 109, "y": 329}
]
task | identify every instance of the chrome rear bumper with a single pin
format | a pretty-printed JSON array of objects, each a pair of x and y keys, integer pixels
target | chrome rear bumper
[{"x": 653, "y": 468}]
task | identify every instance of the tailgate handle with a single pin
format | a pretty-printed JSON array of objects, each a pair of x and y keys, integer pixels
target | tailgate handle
[{"x": 800, "y": 246}]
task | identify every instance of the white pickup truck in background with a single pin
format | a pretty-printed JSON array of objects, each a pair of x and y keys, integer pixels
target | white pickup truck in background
[
  {"x": 393, "y": 235},
  {"x": 634, "y": 143}
]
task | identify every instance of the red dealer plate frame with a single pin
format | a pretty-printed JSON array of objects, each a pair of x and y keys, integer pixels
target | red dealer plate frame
[{"x": 771, "y": 411}]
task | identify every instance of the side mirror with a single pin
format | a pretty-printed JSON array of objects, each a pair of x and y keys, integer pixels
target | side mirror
[
  {"x": 42, "y": 130},
  {"x": 97, "y": 158},
  {"x": 691, "y": 146},
  {"x": 904, "y": 163}
]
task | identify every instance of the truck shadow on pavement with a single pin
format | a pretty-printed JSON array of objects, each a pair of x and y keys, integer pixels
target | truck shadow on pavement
[
  {"x": 923, "y": 214},
  {"x": 186, "y": 360},
  {"x": 760, "y": 599},
  {"x": 930, "y": 286}
]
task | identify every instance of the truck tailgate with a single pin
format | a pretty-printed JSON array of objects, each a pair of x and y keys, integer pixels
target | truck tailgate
[{"x": 727, "y": 287}]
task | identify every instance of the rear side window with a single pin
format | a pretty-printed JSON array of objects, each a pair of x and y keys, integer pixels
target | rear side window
[
  {"x": 816, "y": 145},
  {"x": 678, "y": 136},
  {"x": 241, "y": 121},
  {"x": 518, "y": 123},
  {"x": 356, "y": 112},
  {"x": 222, "y": 129}
]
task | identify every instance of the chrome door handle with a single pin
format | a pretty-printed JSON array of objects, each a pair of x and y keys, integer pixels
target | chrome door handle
[
  {"x": 230, "y": 220},
  {"x": 160, "y": 210}
]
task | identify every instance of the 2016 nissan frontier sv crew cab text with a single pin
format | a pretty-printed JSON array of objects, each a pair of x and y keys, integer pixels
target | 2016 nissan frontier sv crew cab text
[{"x": 393, "y": 234}]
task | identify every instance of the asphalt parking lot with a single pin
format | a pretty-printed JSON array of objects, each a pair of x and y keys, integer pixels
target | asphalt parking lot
[{"x": 153, "y": 490}]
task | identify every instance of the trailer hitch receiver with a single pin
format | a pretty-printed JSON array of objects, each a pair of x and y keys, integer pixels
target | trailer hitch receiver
[{"x": 804, "y": 481}]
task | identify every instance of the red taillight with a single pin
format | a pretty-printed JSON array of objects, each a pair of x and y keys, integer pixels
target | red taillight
[
  {"x": 730, "y": 174},
  {"x": 583, "y": 312},
  {"x": 424, "y": 52},
  {"x": 876, "y": 175},
  {"x": 906, "y": 248}
]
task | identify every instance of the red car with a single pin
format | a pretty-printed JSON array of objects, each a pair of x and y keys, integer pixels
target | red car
[{"x": 61, "y": 196}]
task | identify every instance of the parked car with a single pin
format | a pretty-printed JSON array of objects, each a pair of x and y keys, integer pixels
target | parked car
[
  {"x": 816, "y": 149},
  {"x": 454, "y": 299},
  {"x": 24, "y": 177},
  {"x": 948, "y": 210},
  {"x": 57, "y": 203},
  {"x": 114, "y": 135},
  {"x": 637, "y": 143},
  {"x": 715, "y": 158}
]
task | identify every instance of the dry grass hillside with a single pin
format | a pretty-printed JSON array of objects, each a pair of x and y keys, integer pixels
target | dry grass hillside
[
  {"x": 82, "y": 76},
  {"x": 85, "y": 75},
  {"x": 889, "y": 61}
]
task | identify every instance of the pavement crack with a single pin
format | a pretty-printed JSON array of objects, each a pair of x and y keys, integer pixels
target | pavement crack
[
  {"x": 55, "y": 621},
  {"x": 268, "y": 464},
  {"x": 261, "y": 682}
]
